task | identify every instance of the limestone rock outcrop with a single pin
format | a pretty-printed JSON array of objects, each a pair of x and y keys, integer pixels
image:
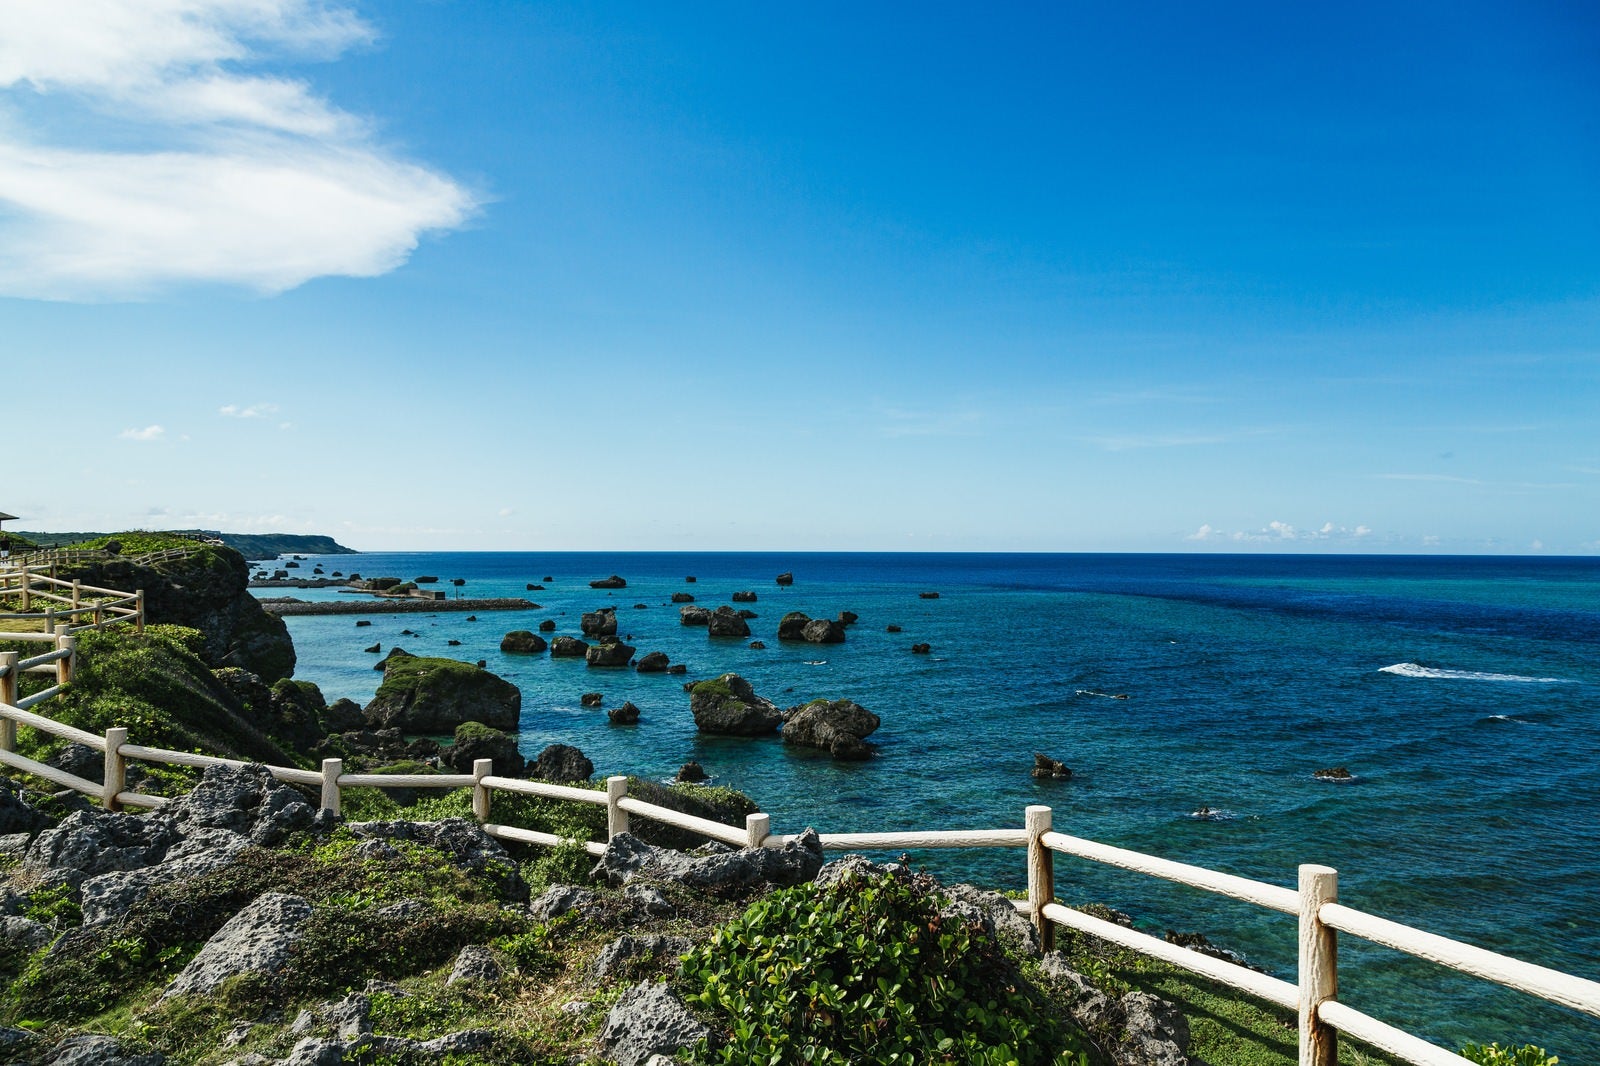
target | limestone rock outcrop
[
  {"x": 838, "y": 727},
  {"x": 729, "y": 706},
  {"x": 425, "y": 695}
]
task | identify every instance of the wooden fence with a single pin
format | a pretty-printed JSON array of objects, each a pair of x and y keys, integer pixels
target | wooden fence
[
  {"x": 1314, "y": 903},
  {"x": 64, "y": 603}
]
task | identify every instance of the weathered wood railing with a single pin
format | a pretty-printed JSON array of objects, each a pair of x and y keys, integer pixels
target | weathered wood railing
[
  {"x": 1314, "y": 903},
  {"x": 103, "y": 607}
]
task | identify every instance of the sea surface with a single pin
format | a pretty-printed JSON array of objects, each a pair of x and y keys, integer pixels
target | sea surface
[{"x": 1463, "y": 693}]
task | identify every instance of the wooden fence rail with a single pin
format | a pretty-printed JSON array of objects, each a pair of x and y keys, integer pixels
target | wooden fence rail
[
  {"x": 1314, "y": 903},
  {"x": 104, "y": 607}
]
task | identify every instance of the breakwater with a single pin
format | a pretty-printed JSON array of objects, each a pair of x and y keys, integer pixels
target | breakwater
[{"x": 288, "y": 605}]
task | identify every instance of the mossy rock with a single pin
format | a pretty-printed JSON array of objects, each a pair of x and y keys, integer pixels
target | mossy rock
[{"x": 428, "y": 695}]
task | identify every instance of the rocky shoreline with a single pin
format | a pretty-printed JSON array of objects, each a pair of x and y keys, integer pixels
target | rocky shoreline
[{"x": 286, "y": 605}]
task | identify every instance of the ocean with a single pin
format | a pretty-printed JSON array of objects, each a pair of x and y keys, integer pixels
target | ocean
[{"x": 1463, "y": 694}]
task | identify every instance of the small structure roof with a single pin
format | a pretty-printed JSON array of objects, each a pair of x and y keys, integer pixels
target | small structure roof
[{"x": 7, "y": 517}]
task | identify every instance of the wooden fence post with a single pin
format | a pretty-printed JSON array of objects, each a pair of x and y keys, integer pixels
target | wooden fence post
[
  {"x": 1319, "y": 966},
  {"x": 1041, "y": 874},
  {"x": 331, "y": 769},
  {"x": 139, "y": 625},
  {"x": 77, "y": 595},
  {"x": 8, "y": 695},
  {"x": 481, "y": 768},
  {"x": 757, "y": 827},
  {"x": 616, "y": 817},
  {"x": 116, "y": 776},
  {"x": 65, "y": 667},
  {"x": 27, "y": 589}
]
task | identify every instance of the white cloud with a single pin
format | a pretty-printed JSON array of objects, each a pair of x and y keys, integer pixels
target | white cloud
[
  {"x": 255, "y": 410},
  {"x": 507, "y": 512},
  {"x": 1280, "y": 531},
  {"x": 216, "y": 174},
  {"x": 145, "y": 434}
]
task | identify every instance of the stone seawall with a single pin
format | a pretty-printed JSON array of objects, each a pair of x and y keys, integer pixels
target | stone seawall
[{"x": 290, "y": 605}]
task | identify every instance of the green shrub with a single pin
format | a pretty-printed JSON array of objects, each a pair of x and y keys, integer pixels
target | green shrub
[
  {"x": 868, "y": 969},
  {"x": 1495, "y": 1055}
]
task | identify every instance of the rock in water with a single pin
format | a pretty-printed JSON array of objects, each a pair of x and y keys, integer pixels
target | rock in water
[
  {"x": 610, "y": 653},
  {"x": 568, "y": 648},
  {"x": 655, "y": 662},
  {"x": 561, "y": 762},
  {"x": 1045, "y": 766},
  {"x": 838, "y": 727},
  {"x": 436, "y": 695},
  {"x": 726, "y": 622},
  {"x": 523, "y": 642},
  {"x": 474, "y": 741},
  {"x": 823, "y": 631},
  {"x": 728, "y": 706},
  {"x": 612, "y": 582},
  {"x": 602, "y": 623}
]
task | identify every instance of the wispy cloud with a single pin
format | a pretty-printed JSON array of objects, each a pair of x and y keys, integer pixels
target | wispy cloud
[
  {"x": 1153, "y": 396},
  {"x": 1278, "y": 531},
  {"x": 1446, "y": 478},
  {"x": 148, "y": 433},
  {"x": 1158, "y": 440},
  {"x": 255, "y": 410},
  {"x": 1430, "y": 477},
  {"x": 899, "y": 422},
  {"x": 140, "y": 152}
]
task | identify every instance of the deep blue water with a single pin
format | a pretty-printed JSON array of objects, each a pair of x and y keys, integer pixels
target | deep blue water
[{"x": 1461, "y": 691}]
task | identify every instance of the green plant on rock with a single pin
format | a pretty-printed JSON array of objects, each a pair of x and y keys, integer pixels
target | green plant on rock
[
  {"x": 1495, "y": 1055},
  {"x": 868, "y": 969},
  {"x": 53, "y": 906}
]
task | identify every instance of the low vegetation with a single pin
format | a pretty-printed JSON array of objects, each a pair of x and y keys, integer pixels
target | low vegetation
[
  {"x": 869, "y": 969},
  {"x": 157, "y": 686}
]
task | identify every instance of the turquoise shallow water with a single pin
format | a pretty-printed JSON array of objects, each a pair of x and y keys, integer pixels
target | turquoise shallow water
[{"x": 1461, "y": 691}]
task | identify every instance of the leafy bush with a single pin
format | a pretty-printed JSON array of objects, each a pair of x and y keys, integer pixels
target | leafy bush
[
  {"x": 868, "y": 969},
  {"x": 1495, "y": 1055}
]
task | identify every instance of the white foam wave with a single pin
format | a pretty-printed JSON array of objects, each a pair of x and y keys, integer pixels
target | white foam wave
[{"x": 1418, "y": 670}]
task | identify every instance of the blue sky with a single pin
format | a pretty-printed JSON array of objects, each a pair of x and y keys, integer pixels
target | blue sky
[{"x": 1058, "y": 277}]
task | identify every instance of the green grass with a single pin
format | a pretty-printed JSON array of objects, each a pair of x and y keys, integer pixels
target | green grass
[{"x": 156, "y": 686}]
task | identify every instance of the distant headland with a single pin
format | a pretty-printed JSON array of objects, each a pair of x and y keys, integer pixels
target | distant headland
[{"x": 249, "y": 545}]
